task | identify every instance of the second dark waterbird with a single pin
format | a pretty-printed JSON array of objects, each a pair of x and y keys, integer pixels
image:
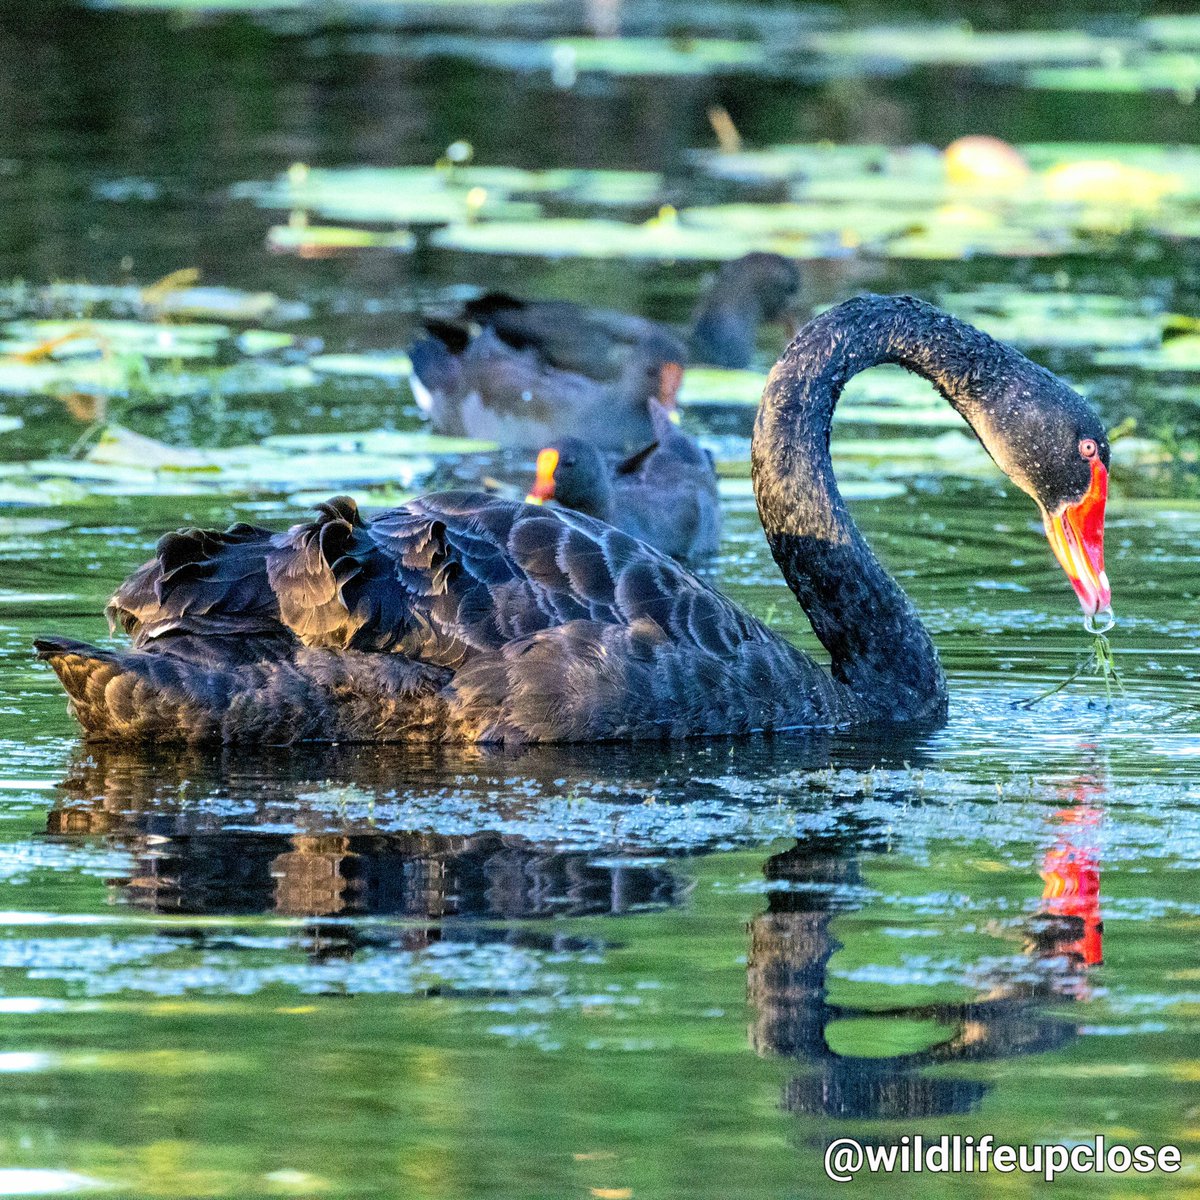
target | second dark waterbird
[
  {"x": 523, "y": 372},
  {"x": 665, "y": 495}
]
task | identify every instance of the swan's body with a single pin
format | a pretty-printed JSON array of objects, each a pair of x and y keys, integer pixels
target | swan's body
[{"x": 462, "y": 617}]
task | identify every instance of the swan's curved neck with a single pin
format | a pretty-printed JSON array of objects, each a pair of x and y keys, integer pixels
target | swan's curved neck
[{"x": 877, "y": 644}]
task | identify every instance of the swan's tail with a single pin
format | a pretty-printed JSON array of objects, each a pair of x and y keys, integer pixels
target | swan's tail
[{"x": 264, "y": 691}]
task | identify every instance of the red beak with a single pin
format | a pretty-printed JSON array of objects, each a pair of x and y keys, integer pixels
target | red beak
[
  {"x": 543, "y": 484},
  {"x": 1076, "y": 536}
]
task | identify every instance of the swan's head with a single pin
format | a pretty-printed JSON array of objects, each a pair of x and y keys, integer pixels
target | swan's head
[
  {"x": 1075, "y": 529},
  {"x": 1048, "y": 440},
  {"x": 572, "y": 473}
]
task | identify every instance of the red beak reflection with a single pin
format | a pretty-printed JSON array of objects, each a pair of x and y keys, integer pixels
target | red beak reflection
[{"x": 1076, "y": 536}]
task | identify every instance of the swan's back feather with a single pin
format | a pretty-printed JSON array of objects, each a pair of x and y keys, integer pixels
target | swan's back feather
[{"x": 503, "y": 622}]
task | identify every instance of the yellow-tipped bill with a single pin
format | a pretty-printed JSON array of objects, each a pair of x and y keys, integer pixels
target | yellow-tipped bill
[{"x": 543, "y": 483}]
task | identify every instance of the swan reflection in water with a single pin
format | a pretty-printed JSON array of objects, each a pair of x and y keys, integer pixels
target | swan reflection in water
[
  {"x": 291, "y": 857},
  {"x": 280, "y": 853},
  {"x": 1016, "y": 1013}
]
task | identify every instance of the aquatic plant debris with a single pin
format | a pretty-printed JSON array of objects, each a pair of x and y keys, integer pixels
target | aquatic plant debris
[{"x": 1099, "y": 663}]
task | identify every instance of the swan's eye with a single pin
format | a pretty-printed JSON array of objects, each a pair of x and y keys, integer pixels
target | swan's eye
[{"x": 1088, "y": 448}]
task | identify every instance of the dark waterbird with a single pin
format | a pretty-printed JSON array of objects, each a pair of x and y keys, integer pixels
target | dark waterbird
[
  {"x": 746, "y": 293},
  {"x": 463, "y": 617},
  {"x": 665, "y": 495},
  {"x": 523, "y": 372}
]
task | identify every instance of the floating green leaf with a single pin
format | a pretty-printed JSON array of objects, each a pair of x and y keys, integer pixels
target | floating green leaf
[
  {"x": 367, "y": 366},
  {"x": 591, "y": 238},
  {"x": 1060, "y": 319},
  {"x": 1179, "y": 73},
  {"x": 319, "y": 240},
  {"x": 567, "y": 58},
  {"x": 380, "y": 441},
  {"x": 960, "y": 45},
  {"x": 1177, "y": 354}
]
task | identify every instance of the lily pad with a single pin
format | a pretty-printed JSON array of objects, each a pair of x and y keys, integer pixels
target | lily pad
[
  {"x": 145, "y": 338},
  {"x": 153, "y": 302},
  {"x": 90, "y": 376},
  {"x": 1176, "y": 354},
  {"x": 807, "y": 230},
  {"x": 1179, "y": 73},
  {"x": 883, "y": 396},
  {"x": 263, "y": 341},
  {"x": 25, "y": 491},
  {"x": 328, "y": 241},
  {"x": 959, "y": 45},
  {"x": 364, "y": 497},
  {"x": 366, "y": 366},
  {"x": 953, "y": 450},
  {"x": 227, "y": 304},
  {"x": 850, "y": 489},
  {"x": 1057, "y": 319},
  {"x": 719, "y": 386},
  {"x": 1179, "y": 31},
  {"x": 822, "y": 160},
  {"x": 567, "y": 58},
  {"x": 123, "y": 447},
  {"x": 18, "y": 527},
  {"x": 380, "y": 441},
  {"x": 591, "y": 238},
  {"x": 970, "y": 231}
]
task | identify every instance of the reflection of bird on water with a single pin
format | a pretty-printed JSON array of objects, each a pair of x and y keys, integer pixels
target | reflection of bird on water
[
  {"x": 791, "y": 945},
  {"x": 442, "y": 886},
  {"x": 461, "y": 617},
  {"x": 1070, "y": 923}
]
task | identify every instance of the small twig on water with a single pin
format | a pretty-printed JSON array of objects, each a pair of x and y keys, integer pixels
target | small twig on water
[{"x": 1099, "y": 662}]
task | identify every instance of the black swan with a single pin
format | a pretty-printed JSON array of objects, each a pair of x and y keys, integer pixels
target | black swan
[
  {"x": 665, "y": 495},
  {"x": 462, "y": 617},
  {"x": 523, "y": 372}
]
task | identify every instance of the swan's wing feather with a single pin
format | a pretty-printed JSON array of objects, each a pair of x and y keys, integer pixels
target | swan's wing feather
[
  {"x": 441, "y": 580},
  {"x": 200, "y": 581},
  {"x": 243, "y": 581},
  {"x": 452, "y": 574}
]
